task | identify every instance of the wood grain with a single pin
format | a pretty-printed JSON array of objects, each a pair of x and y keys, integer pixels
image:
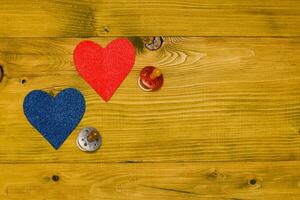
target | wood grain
[
  {"x": 224, "y": 99},
  {"x": 157, "y": 181},
  {"x": 73, "y": 18}
]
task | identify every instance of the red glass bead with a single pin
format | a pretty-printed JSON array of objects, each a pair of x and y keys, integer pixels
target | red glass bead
[{"x": 150, "y": 79}]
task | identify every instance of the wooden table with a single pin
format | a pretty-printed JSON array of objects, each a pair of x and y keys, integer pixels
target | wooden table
[{"x": 225, "y": 125}]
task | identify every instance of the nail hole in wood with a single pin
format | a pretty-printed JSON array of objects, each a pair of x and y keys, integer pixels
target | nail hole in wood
[
  {"x": 106, "y": 29},
  {"x": 252, "y": 181},
  {"x": 215, "y": 173},
  {"x": 23, "y": 81},
  {"x": 55, "y": 178}
]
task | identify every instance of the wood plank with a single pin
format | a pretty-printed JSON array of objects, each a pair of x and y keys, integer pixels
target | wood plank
[
  {"x": 151, "y": 181},
  {"x": 224, "y": 99},
  {"x": 78, "y": 18}
]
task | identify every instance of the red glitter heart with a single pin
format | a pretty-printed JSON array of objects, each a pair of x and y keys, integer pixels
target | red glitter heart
[{"x": 104, "y": 69}]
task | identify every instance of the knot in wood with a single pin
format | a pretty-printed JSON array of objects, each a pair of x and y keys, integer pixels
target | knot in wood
[
  {"x": 153, "y": 43},
  {"x": 254, "y": 183}
]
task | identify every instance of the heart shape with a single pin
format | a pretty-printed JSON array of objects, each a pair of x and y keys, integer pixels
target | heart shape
[
  {"x": 104, "y": 68},
  {"x": 54, "y": 117}
]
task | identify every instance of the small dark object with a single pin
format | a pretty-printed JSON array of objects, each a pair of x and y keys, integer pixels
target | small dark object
[
  {"x": 55, "y": 178},
  {"x": 155, "y": 44},
  {"x": 23, "y": 81},
  {"x": 106, "y": 29},
  {"x": 150, "y": 79},
  {"x": 1, "y": 73},
  {"x": 252, "y": 181}
]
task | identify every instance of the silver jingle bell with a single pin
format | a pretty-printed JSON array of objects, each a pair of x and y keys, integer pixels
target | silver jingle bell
[{"x": 89, "y": 139}]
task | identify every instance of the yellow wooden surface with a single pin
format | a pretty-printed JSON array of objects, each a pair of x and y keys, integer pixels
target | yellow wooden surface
[
  {"x": 224, "y": 99},
  {"x": 78, "y": 18},
  {"x": 225, "y": 125},
  {"x": 159, "y": 181}
]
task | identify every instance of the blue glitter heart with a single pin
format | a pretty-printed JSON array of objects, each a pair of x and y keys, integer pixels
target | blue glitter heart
[{"x": 54, "y": 117}]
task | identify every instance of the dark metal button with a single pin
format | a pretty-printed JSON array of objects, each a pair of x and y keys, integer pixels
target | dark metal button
[{"x": 89, "y": 139}]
